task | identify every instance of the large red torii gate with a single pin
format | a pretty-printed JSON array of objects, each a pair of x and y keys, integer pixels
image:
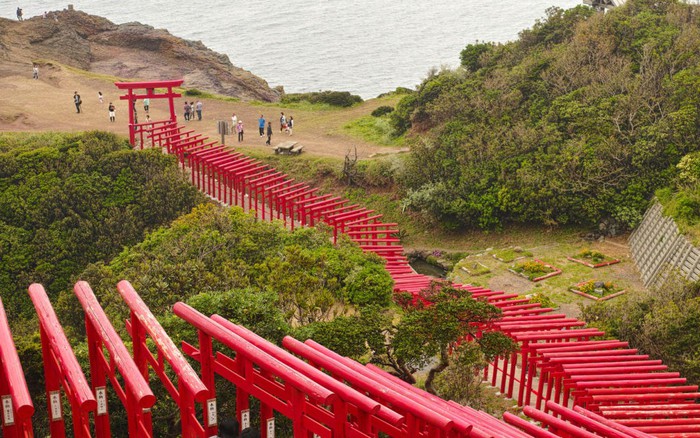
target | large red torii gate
[{"x": 151, "y": 92}]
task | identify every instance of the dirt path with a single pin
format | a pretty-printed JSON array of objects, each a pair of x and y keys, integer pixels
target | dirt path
[{"x": 47, "y": 105}]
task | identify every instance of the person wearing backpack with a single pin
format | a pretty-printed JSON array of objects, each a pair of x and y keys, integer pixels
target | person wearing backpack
[{"x": 283, "y": 122}]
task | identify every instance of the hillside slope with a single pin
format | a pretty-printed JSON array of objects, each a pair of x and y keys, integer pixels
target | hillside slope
[
  {"x": 577, "y": 122},
  {"x": 130, "y": 50}
]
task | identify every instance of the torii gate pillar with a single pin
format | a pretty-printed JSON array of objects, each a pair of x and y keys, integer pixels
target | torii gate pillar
[{"x": 151, "y": 92}]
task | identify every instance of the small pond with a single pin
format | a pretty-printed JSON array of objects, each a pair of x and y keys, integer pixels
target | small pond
[{"x": 425, "y": 268}]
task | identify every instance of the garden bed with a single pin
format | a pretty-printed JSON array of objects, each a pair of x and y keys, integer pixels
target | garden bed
[
  {"x": 475, "y": 268},
  {"x": 535, "y": 270},
  {"x": 509, "y": 255},
  {"x": 597, "y": 290},
  {"x": 593, "y": 259}
]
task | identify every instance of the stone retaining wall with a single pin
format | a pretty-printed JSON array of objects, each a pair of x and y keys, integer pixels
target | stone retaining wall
[{"x": 658, "y": 248}]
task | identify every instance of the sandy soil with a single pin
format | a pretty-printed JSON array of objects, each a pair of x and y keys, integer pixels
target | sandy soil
[{"x": 47, "y": 104}]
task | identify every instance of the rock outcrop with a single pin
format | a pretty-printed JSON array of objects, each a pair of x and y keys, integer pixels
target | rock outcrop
[{"x": 131, "y": 50}]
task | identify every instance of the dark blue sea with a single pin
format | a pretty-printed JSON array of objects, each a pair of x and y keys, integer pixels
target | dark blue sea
[{"x": 364, "y": 46}]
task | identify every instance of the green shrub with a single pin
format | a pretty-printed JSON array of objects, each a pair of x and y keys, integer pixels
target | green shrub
[
  {"x": 470, "y": 55},
  {"x": 371, "y": 285},
  {"x": 594, "y": 256},
  {"x": 544, "y": 300},
  {"x": 377, "y": 172},
  {"x": 382, "y": 110},
  {"x": 193, "y": 92},
  {"x": 332, "y": 98}
]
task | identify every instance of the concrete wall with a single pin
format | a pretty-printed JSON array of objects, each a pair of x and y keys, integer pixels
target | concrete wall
[{"x": 657, "y": 247}]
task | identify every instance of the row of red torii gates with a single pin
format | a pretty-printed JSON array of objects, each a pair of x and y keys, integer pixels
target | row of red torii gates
[{"x": 569, "y": 379}]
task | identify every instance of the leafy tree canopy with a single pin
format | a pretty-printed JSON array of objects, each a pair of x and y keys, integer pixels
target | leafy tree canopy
[
  {"x": 576, "y": 122},
  {"x": 67, "y": 200}
]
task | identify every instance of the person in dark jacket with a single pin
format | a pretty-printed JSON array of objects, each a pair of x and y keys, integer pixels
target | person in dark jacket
[{"x": 269, "y": 133}]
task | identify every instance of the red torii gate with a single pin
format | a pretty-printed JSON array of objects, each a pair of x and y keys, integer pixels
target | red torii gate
[
  {"x": 151, "y": 93},
  {"x": 17, "y": 406}
]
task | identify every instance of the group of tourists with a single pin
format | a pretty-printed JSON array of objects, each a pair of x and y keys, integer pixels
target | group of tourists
[
  {"x": 285, "y": 126},
  {"x": 191, "y": 108}
]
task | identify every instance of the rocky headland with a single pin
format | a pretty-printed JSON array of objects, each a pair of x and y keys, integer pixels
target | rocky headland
[{"x": 131, "y": 50}]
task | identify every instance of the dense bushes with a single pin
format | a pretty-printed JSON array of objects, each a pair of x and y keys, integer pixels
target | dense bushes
[
  {"x": 662, "y": 323},
  {"x": 382, "y": 110},
  {"x": 577, "y": 122},
  {"x": 214, "y": 250},
  {"x": 332, "y": 98},
  {"x": 682, "y": 200},
  {"x": 67, "y": 200}
]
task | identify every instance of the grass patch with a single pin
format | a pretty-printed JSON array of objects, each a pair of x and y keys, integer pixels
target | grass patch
[
  {"x": 199, "y": 94},
  {"x": 322, "y": 172},
  {"x": 509, "y": 255},
  {"x": 474, "y": 268},
  {"x": 593, "y": 259},
  {"x": 376, "y": 130}
]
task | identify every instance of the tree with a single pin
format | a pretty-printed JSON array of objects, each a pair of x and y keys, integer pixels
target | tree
[
  {"x": 443, "y": 322},
  {"x": 440, "y": 321}
]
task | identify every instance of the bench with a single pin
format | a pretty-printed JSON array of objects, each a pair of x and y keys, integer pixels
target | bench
[{"x": 288, "y": 148}]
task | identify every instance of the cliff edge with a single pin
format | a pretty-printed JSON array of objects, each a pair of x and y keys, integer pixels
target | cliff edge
[{"x": 131, "y": 50}]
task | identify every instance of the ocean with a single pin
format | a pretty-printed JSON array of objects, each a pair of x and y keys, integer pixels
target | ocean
[{"x": 367, "y": 47}]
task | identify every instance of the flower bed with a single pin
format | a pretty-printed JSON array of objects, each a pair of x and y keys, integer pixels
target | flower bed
[
  {"x": 597, "y": 290},
  {"x": 535, "y": 270},
  {"x": 593, "y": 259}
]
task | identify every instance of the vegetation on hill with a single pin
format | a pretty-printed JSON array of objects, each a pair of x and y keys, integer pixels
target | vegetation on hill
[
  {"x": 72, "y": 199},
  {"x": 330, "y": 98},
  {"x": 681, "y": 201},
  {"x": 67, "y": 200},
  {"x": 577, "y": 122}
]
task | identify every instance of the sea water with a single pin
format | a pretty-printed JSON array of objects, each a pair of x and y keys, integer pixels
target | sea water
[{"x": 366, "y": 47}]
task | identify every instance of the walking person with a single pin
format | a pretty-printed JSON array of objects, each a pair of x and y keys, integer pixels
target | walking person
[
  {"x": 77, "y": 101},
  {"x": 146, "y": 104},
  {"x": 35, "y": 72},
  {"x": 19, "y": 14},
  {"x": 234, "y": 121},
  {"x": 111, "y": 109},
  {"x": 290, "y": 125},
  {"x": 269, "y": 133},
  {"x": 187, "y": 110},
  {"x": 239, "y": 130},
  {"x": 100, "y": 97},
  {"x": 199, "y": 110},
  {"x": 283, "y": 122},
  {"x": 261, "y": 125}
]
